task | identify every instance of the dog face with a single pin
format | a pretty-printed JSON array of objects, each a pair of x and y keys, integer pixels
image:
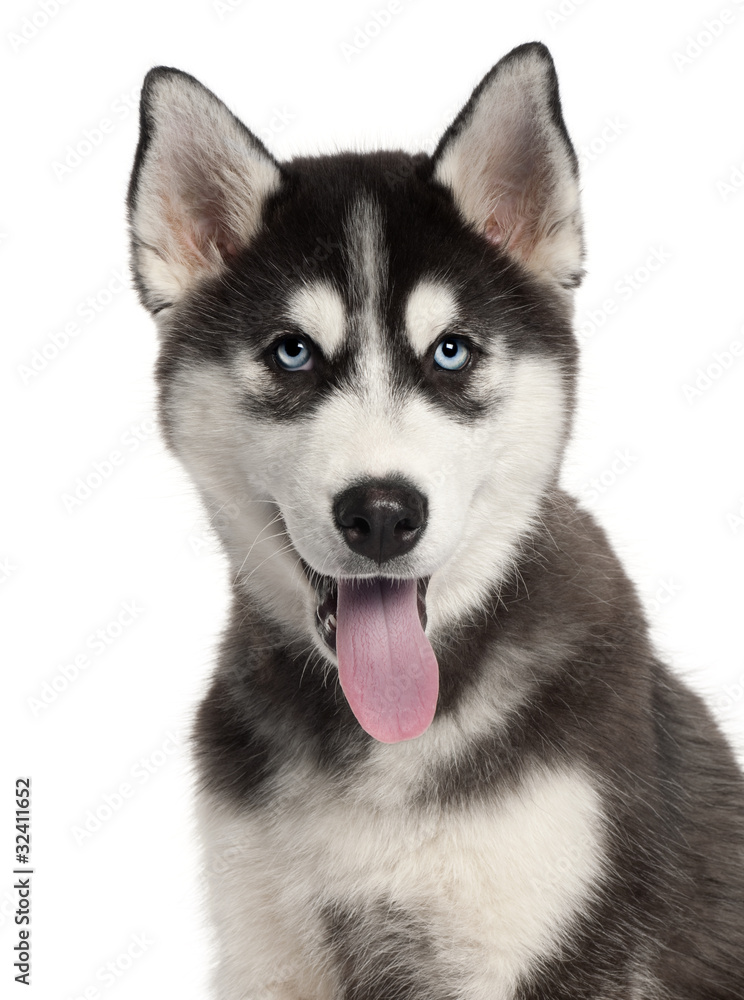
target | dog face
[{"x": 367, "y": 360}]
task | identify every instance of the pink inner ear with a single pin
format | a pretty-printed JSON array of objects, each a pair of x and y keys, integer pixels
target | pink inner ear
[
  {"x": 505, "y": 231},
  {"x": 200, "y": 236},
  {"x": 494, "y": 233},
  {"x": 209, "y": 229},
  {"x": 504, "y": 222},
  {"x": 194, "y": 245}
]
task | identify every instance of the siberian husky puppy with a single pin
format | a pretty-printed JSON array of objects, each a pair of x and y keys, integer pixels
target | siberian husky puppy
[{"x": 439, "y": 758}]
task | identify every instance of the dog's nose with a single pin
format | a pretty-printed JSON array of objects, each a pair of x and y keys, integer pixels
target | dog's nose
[{"x": 381, "y": 518}]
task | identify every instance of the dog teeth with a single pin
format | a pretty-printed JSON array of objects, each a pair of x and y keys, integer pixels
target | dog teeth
[{"x": 331, "y": 622}]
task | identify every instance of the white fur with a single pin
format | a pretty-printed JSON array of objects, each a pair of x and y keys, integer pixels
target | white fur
[
  {"x": 430, "y": 310},
  {"x": 318, "y": 309},
  {"x": 367, "y": 260},
  {"x": 483, "y": 480},
  {"x": 520, "y": 449},
  {"x": 221, "y": 449},
  {"x": 498, "y": 883}
]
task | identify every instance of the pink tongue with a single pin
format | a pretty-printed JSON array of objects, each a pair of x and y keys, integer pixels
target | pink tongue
[{"x": 388, "y": 670}]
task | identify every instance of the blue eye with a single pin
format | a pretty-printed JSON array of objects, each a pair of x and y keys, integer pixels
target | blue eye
[
  {"x": 294, "y": 354},
  {"x": 452, "y": 353}
]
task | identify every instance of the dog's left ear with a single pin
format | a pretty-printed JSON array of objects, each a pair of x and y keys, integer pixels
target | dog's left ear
[{"x": 509, "y": 162}]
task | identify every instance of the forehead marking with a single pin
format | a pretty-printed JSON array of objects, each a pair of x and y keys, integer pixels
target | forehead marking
[
  {"x": 318, "y": 309},
  {"x": 430, "y": 310},
  {"x": 367, "y": 266}
]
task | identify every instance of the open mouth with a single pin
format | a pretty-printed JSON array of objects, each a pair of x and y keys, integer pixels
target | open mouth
[
  {"x": 387, "y": 668},
  {"x": 326, "y": 589}
]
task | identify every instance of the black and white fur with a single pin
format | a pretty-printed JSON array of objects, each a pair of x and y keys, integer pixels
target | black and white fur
[{"x": 571, "y": 825}]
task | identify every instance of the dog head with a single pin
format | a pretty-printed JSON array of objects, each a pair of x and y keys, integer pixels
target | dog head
[{"x": 367, "y": 361}]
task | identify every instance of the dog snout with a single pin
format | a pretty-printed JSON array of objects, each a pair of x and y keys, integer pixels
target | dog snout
[{"x": 381, "y": 518}]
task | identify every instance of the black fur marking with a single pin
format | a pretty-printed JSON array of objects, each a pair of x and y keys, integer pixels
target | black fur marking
[
  {"x": 245, "y": 309},
  {"x": 270, "y": 702},
  {"x": 673, "y": 908},
  {"x": 385, "y": 953}
]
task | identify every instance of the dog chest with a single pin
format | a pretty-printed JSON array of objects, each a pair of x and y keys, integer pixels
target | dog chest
[{"x": 488, "y": 888}]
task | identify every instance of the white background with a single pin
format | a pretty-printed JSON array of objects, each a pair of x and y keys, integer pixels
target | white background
[{"x": 658, "y": 130}]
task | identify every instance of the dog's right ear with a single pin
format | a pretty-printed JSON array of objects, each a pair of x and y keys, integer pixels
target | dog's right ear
[{"x": 198, "y": 185}]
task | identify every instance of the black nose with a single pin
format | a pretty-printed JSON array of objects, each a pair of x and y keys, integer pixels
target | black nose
[{"x": 381, "y": 518}]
